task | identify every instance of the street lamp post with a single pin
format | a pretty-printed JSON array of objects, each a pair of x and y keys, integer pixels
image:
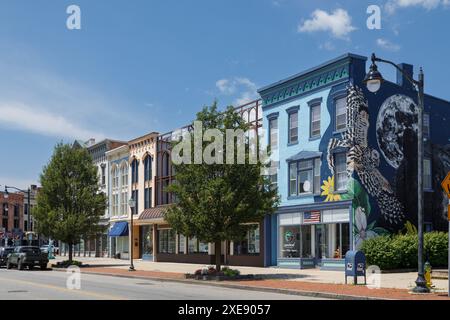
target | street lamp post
[
  {"x": 132, "y": 204},
  {"x": 373, "y": 81},
  {"x": 28, "y": 192}
]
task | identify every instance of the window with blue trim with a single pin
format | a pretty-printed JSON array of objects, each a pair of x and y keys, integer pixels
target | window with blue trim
[
  {"x": 340, "y": 171},
  {"x": 304, "y": 177},
  {"x": 315, "y": 121},
  {"x": 135, "y": 196},
  {"x": 427, "y": 180},
  {"x": 147, "y": 198},
  {"x": 273, "y": 131},
  {"x": 426, "y": 125},
  {"x": 134, "y": 171},
  {"x": 293, "y": 127},
  {"x": 341, "y": 113},
  {"x": 148, "y": 168}
]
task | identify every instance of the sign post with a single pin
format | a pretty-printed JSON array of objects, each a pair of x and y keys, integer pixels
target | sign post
[{"x": 446, "y": 186}]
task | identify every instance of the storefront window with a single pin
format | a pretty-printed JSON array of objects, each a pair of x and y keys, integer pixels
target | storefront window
[
  {"x": 192, "y": 245},
  {"x": 290, "y": 241},
  {"x": 166, "y": 241},
  {"x": 203, "y": 247},
  {"x": 181, "y": 244},
  {"x": 250, "y": 244},
  {"x": 122, "y": 244},
  {"x": 196, "y": 246},
  {"x": 147, "y": 240},
  {"x": 306, "y": 241},
  {"x": 345, "y": 238},
  {"x": 322, "y": 241},
  {"x": 341, "y": 243}
]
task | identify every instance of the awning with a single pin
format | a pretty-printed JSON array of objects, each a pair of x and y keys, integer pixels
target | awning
[
  {"x": 153, "y": 213},
  {"x": 119, "y": 229},
  {"x": 305, "y": 155}
]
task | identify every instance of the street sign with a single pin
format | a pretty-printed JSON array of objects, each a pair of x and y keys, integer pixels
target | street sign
[{"x": 446, "y": 184}]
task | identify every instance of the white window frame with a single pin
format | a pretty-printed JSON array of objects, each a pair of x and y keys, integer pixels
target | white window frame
[
  {"x": 338, "y": 126},
  {"x": 338, "y": 173},
  {"x": 312, "y": 133}
]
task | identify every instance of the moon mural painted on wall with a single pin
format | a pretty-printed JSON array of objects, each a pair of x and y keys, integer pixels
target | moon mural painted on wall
[{"x": 397, "y": 114}]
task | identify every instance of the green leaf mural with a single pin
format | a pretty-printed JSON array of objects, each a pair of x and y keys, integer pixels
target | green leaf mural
[{"x": 362, "y": 209}]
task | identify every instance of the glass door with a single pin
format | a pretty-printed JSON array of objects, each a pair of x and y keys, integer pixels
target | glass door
[
  {"x": 321, "y": 242},
  {"x": 147, "y": 242}
]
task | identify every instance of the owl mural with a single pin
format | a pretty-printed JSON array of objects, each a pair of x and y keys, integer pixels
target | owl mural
[{"x": 364, "y": 160}]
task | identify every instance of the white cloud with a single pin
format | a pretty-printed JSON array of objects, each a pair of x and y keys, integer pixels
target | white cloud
[
  {"x": 243, "y": 87},
  {"x": 387, "y": 45},
  {"x": 35, "y": 99},
  {"x": 225, "y": 86},
  {"x": 327, "y": 46},
  {"x": 339, "y": 23},
  {"x": 38, "y": 121},
  {"x": 392, "y": 5}
]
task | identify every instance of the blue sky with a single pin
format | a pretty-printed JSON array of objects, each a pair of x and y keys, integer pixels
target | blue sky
[{"x": 146, "y": 65}]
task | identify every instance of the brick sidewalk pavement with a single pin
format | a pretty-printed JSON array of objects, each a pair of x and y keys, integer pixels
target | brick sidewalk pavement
[{"x": 346, "y": 291}]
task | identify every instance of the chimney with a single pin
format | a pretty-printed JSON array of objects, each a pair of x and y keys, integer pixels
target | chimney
[{"x": 401, "y": 80}]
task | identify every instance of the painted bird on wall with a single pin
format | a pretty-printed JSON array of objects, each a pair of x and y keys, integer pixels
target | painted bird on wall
[{"x": 364, "y": 160}]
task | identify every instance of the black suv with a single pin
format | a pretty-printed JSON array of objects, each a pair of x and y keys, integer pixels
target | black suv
[
  {"x": 27, "y": 256},
  {"x": 4, "y": 251}
]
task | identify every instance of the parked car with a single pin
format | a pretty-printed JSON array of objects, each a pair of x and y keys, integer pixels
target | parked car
[
  {"x": 4, "y": 251},
  {"x": 44, "y": 249},
  {"x": 27, "y": 256}
]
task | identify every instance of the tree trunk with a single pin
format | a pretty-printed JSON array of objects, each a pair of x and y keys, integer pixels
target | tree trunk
[
  {"x": 70, "y": 252},
  {"x": 218, "y": 253}
]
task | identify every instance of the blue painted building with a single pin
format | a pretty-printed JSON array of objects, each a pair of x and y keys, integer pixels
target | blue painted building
[{"x": 346, "y": 162}]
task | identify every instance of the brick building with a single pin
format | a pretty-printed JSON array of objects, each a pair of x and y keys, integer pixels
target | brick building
[{"x": 11, "y": 210}]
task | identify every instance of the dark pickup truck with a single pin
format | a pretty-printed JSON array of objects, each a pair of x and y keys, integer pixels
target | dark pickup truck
[{"x": 27, "y": 256}]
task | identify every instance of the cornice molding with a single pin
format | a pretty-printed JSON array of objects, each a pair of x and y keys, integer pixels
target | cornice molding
[{"x": 304, "y": 84}]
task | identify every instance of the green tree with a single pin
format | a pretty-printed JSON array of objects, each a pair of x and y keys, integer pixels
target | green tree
[
  {"x": 216, "y": 201},
  {"x": 69, "y": 205}
]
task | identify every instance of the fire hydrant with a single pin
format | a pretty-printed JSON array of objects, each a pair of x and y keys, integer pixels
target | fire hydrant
[{"x": 427, "y": 268}]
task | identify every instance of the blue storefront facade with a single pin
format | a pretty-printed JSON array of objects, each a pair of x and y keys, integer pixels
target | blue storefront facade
[{"x": 340, "y": 154}]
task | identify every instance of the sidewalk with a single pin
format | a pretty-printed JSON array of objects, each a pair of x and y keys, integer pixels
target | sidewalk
[{"x": 393, "y": 285}]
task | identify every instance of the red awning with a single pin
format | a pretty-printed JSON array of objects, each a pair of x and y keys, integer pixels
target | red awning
[{"x": 153, "y": 213}]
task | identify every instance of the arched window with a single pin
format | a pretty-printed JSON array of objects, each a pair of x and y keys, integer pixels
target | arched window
[
  {"x": 148, "y": 168},
  {"x": 124, "y": 172},
  {"x": 134, "y": 171},
  {"x": 115, "y": 176}
]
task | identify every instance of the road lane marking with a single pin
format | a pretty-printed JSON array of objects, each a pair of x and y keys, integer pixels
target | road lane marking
[{"x": 81, "y": 292}]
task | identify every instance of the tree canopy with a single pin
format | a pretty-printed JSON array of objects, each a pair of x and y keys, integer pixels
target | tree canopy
[
  {"x": 215, "y": 202},
  {"x": 69, "y": 205}
]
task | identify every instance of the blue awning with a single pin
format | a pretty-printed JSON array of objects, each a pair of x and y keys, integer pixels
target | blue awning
[
  {"x": 119, "y": 229},
  {"x": 305, "y": 155}
]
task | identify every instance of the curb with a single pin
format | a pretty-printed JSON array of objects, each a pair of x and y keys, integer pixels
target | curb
[{"x": 325, "y": 295}]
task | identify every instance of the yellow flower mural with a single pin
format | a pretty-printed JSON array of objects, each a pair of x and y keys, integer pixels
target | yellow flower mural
[{"x": 328, "y": 190}]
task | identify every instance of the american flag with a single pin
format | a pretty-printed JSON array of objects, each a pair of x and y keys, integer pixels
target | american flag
[{"x": 311, "y": 217}]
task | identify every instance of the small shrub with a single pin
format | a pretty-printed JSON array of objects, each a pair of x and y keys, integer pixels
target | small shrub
[
  {"x": 66, "y": 263},
  {"x": 230, "y": 272},
  {"x": 436, "y": 247},
  {"x": 400, "y": 251}
]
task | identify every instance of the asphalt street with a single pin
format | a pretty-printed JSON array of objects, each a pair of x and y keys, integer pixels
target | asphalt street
[{"x": 52, "y": 285}]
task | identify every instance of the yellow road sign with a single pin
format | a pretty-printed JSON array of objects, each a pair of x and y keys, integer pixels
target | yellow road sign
[{"x": 446, "y": 184}]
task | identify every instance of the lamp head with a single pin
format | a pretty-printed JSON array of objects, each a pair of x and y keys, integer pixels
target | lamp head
[
  {"x": 132, "y": 203},
  {"x": 373, "y": 79}
]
